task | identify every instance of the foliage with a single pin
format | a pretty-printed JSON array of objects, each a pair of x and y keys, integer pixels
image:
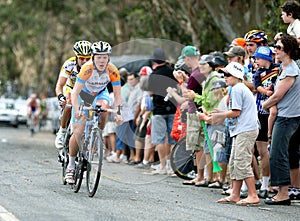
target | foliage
[{"x": 38, "y": 35}]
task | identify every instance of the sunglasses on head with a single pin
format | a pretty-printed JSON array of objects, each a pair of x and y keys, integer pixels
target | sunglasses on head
[
  {"x": 82, "y": 58},
  {"x": 278, "y": 47}
]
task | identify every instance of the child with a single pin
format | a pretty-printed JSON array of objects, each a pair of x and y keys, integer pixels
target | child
[
  {"x": 264, "y": 81},
  {"x": 290, "y": 13},
  {"x": 242, "y": 119}
]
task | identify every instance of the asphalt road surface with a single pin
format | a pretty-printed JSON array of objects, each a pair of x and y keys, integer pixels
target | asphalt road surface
[{"x": 31, "y": 189}]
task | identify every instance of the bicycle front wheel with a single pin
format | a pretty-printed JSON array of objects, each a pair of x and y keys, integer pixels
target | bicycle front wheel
[
  {"x": 80, "y": 165},
  {"x": 94, "y": 161},
  {"x": 182, "y": 160}
]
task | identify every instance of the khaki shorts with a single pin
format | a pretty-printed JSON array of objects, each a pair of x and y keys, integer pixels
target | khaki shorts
[
  {"x": 241, "y": 155},
  {"x": 195, "y": 134},
  {"x": 109, "y": 128}
]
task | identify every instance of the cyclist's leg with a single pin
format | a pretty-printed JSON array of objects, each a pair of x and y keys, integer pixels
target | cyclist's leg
[
  {"x": 66, "y": 116},
  {"x": 36, "y": 118},
  {"x": 78, "y": 129},
  {"x": 103, "y": 100}
]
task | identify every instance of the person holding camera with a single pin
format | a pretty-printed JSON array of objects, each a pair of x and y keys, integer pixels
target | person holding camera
[{"x": 194, "y": 137}]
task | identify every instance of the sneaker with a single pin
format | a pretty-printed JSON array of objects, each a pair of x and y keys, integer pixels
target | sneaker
[
  {"x": 155, "y": 167},
  {"x": 70, "y": 176},
  {"x": 60, "y": 157},
  {"x": 159, "y": 172},
  {"x": 143, "y": 165},
  {"x": 262, "y": 194},
  {"x": 244, "y": 194},
  {"x": 59, "y": 140},
  {"x": 123, "y": 158},
  {"x": 170, "y": 171},
  {"x": 257, "y": 185}
]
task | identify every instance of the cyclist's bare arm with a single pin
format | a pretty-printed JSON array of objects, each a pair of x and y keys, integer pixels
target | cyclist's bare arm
[
  {"x": 74, "y": 97},
  {"x": 60, "y": 84},
  {"x": 117, "y": 96}
]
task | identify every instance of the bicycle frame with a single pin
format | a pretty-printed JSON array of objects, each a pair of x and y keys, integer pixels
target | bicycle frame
[{"x": 91, "y": 150}]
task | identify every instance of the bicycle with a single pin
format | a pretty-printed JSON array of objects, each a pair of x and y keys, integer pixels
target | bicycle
[
  {"x": 182, "y": 160},
  {"x": 91, "y": 150},
  {"x": 30, "y": 124},
  {"x": 63, "y": 155}
]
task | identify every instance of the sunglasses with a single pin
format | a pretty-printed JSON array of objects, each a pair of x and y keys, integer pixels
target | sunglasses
[
  {"x": 227, "y": 75},
  {"x": 81, "y": 58},
  {"x": 278, "y": 47}
]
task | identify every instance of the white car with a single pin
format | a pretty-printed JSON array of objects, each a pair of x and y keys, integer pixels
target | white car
[
  {"x": 8, "y": 113},
  {"x": 21, "y": 106}
]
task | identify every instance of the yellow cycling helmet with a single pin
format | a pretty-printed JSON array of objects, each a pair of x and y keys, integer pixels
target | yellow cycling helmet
[{"x": 82, "y": 48}]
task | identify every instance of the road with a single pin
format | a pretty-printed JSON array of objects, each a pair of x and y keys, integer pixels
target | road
[{"x": 31, "y": 189}]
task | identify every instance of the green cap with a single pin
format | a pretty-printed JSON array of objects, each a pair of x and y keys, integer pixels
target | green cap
[{"x": 189, "y": 51}]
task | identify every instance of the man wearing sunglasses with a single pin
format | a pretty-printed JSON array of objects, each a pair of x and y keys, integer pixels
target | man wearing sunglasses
[{"x": 65, "y": 84}]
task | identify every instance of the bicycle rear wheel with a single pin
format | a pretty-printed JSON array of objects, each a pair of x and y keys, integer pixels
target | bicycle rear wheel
[
  {"x": 94, "y": 164},
  {"x": 64, "y": 156},
  {"x": 182, "y": 160}
]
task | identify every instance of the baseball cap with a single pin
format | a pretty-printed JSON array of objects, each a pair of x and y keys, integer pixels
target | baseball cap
[
  {"x": 235, "y": 69},
  {"x": 158, "y": 56},
  {"x": 218, "y": 84},
  {"x": 238, "y": 42},
  {"x": 189, "y": 51},
  {"x": 206, "y": 58},
  {"x": 219, "y": 61},
  {"x": 263, "y": 52},
  {"x": 235, "y": 51},
  {"x": 145, "y": 71}
]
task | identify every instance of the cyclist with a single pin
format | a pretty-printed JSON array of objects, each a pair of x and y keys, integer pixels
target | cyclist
[
  {"x": 33, "y": 104},
  {"x": 65, "y": 84},
  {"x": 91, "y": 86}
]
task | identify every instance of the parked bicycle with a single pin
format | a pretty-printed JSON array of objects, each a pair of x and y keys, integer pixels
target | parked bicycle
[
  {"x": 91, "y": 150},
  {"x": 182, "y": 160}
]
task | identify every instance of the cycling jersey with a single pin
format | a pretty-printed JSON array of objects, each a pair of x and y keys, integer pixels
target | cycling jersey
[
  {"x": 95, "y": 83},
  {"x": 69, "y": 70},
  {"x": 33, "y": 105}
]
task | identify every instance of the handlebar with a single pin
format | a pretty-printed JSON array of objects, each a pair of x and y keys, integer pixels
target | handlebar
[{"x": 97, "y": 109}]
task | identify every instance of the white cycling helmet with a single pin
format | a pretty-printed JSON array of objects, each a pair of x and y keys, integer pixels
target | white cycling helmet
[{"x": 101, "y": 47}]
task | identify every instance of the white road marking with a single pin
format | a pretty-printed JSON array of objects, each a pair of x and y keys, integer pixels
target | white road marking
[{"x": 6, "y": 216}]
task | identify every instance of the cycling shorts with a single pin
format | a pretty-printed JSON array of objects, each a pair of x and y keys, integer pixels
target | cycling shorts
[{"x": 103, "y": 95}]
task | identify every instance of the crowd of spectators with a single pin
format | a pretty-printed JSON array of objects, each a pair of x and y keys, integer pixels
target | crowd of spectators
[{"x": 249, "y": 93}]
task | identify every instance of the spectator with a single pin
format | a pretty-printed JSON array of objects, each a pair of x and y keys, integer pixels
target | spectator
[
  {"x": 143, "y": 118},
  {"x": 290, "y": 14},
  {"x": 163, "y": 111},
  {"x": 208, "y": 102},
  {"x": 135, "y": 94},
  {"x": 194, "y": 137},
  {"x": 264, "y": 80},
  {"x": 244, "y": 129},
  {"x": 238, "y": 42},
  {"x": 287, "y": 91}
]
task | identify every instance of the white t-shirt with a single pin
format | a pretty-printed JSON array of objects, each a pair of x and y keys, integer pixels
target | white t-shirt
[{"x": 294, "y": 29}]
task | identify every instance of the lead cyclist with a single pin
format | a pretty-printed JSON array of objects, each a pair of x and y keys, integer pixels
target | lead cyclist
[
  {"x": 65, "y": 84},
  {"x": 91, "y": 86}
]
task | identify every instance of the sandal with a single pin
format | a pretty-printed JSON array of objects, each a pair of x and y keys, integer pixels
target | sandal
[
  {"x": 216, "y": 185},
  {"x": 203, "y": 183},
  {"x": 226, "y": 200},
  {"x": 246, "y": 202},
  {"x": 189, "y": 182}
]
